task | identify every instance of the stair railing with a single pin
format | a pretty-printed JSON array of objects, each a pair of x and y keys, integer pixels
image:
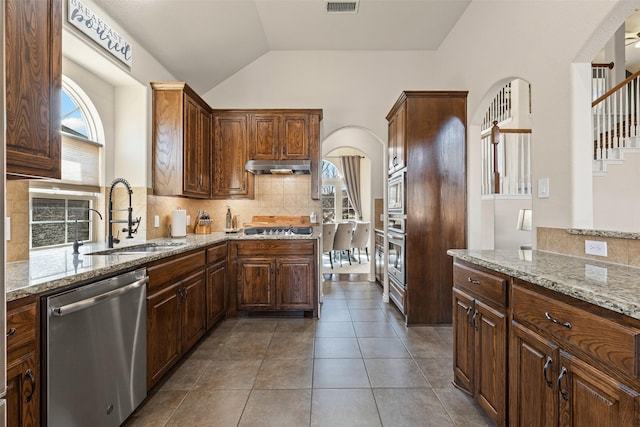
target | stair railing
[
  {"x": 601, "y": 77},
  {"x": 500, "y": 108},
  {"x": 615, "y": 118},
  {"x": 506, "y": 161}
]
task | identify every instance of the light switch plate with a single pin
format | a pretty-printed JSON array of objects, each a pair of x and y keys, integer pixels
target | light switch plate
[
  {"x": 7, "y": 228},
  {"x": 156, "y": 221},
  {"x": 543, "y": 188},
  {"x": 595, "y": 247}
]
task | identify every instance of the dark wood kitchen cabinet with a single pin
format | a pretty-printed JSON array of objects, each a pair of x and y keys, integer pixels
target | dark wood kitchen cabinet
[
  {"x": 274, "y": 275},
  {"x": 23, "y": 364},
  {"x": 480, "y": 337},
  {"x": 282, "y": 135},
  {"x": 176, "y": 311},
  {"x": 571, "y": 364},
  {"x": 33, "y": 52},
  {"x": 181, "y": 129},
  {"x": 217, "y": 289},
  {"x": 428, "y": 131},
  {"x": 230, "y": 180},
  {"x": 397, "y": 141}
]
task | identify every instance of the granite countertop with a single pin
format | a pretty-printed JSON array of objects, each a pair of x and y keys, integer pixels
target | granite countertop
[
  {"x": 52, "y": 269},
  {"x": 612, "y": 286}
]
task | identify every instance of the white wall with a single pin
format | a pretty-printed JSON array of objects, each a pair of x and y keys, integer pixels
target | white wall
[
  {"x": 128, "y": 145},
  {"x": 359, "y": 88}
]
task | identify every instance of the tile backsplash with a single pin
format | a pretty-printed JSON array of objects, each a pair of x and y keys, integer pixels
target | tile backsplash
[
  {"x": 620, "y": 250},
  {"x": 274, "y": 195}
]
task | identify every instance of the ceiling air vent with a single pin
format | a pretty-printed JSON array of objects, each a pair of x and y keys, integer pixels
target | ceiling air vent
[{"x": 342, "y": 7}]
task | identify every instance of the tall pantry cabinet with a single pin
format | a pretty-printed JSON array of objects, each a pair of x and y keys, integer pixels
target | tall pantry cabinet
[{"x": 430, "y": 137}]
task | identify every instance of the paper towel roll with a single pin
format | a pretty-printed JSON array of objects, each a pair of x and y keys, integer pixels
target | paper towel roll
[{"x": 179, "y": 223}]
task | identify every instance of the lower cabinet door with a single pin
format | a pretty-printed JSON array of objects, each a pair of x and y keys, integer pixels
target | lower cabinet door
[
  {"x": 256, "y": 285},
  {"x": 163, "y": 332},
  {"x": 463, "y": 341},
  {"x": 589, "y": 397},
  {"x": 533, "y": 370},
  {"x": 491, "y": 360},
  {"x": 216, "y": 293},
  {"x": 194, "y": 307},
  {"x": 294, "y": 283},
  {"x": 22, "y": 396}
]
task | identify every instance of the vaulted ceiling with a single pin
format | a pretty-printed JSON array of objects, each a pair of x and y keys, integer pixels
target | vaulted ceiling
[{"x": 203, "y": 42}]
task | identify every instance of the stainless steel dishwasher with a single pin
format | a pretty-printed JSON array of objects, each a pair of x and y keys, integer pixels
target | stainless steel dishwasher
[{"x": 96, "y": 344}]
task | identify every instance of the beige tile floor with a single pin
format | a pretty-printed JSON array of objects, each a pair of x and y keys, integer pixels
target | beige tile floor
[{"x": 356, "y": 366}]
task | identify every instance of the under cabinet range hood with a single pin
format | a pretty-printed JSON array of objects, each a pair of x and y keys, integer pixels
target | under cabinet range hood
[{"x": 278, "y": 167}]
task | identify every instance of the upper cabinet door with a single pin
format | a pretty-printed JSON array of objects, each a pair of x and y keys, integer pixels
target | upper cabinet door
[
  {"x": 33, "y": 43},
  {"x": 231, "y": 152},
  {"x": 295, "y": 137},
  {"x": 181, "y": 127},
  {"x": 265, "y": 134}
]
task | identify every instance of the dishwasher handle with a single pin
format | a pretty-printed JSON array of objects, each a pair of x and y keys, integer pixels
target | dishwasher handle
[{"x": 89, "y": 302}]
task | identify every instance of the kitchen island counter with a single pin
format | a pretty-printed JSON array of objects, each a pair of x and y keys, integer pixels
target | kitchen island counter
[
  {"x": 611, "y": 286},
  {"x": 54, "y": 269}
]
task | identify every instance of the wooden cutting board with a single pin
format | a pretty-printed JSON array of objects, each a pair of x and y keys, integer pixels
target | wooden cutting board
[{"x": 278, "y": 221}]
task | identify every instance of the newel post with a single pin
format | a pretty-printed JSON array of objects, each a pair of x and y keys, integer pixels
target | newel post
[{"x": 495, "y": 140}]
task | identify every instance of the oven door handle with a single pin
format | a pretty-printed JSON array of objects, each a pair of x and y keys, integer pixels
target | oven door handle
[{"x": 89, "y": 302}]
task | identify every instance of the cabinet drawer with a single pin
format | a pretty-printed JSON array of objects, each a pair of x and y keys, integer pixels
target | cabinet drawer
[
  {"x": 396, "y": 293},
  {"x": 276, "y": 247},
  {"x": 172, "y": 270},
  {"x": 481, "y": 283},
  {"x": 21, "y": 331},
  {"x": 608, "y": 341},
  {"x": 216, "y": 253},
  {"x": 379, "y": 239}
]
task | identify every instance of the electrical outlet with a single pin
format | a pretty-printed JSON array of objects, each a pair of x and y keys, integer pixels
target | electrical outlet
[
  {"x": 188, "y": 219},
  {"x": 7, "y": 228},
  {"x": 595, "y": 247},
  {"x": 156, "y": 221}
]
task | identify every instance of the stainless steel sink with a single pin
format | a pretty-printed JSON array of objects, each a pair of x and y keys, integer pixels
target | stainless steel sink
[{"x": 145, "y": 248}]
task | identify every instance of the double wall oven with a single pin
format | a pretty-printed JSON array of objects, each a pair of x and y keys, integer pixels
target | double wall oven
[{"x": 396, "y": 203}]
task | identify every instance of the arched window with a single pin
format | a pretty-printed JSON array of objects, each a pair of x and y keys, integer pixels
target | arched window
[
  {"x": 59, "y": 211},
  {"x": 335, "y": 202}
]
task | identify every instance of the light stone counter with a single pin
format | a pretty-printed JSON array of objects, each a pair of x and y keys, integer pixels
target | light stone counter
[
  {"x": 612, "y": 286},
  {"x": 54, "y": 269}
]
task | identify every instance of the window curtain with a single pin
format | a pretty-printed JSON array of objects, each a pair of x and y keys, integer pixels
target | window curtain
[{"x": 351, "y": 175}]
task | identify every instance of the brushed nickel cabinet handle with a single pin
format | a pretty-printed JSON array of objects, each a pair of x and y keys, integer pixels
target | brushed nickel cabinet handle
[
  {"x": 31, "y": 378},
  {"x": 563, "y": 393},
  {"x": 11, "y": 332},
  {"x": 475, "y": 282},
  {"x": 557, "y": 322},
  {"x": 544, "y": 372}
]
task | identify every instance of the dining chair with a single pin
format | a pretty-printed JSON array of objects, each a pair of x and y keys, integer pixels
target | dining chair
[
  {"x": 342, "y": 241},
  {"x": 360, "y": 239},
  {"x": 328, "y": 236}
]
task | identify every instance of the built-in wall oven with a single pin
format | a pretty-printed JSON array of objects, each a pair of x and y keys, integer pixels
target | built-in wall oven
[
  {"x": 396, "y": 257},
  {"x": 396, "y": 193}
]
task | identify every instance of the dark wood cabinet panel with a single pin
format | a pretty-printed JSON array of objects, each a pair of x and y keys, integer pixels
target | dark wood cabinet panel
[
  {"x": 163, "y": 333},
  {"x": 533, "y": 370},
  {"x": 480, "y": 344},
  {"x": 194, "y": 307},
  {"x": 280, "y": 136},
  {"x": 295, "y": 137},
  {"x": 589, "y": 397},
  {"x": 33, "y": 51},
  {"x": 230, "y": 154},
  {"x": 216, "y": 293},
  {"x": 464, "y": 344},
  {"x": 265, "y": 136},
  {"x": 397, "y": 141},
  {"x": 256, "y": 285},
  {"x": 23, "y": 393},
  {"x": 295, "y": 283},
  {"x": 23, "y": 364},
  {"x": 181, "y": 129},
  {"x": 428, "y": 131},
  {"x": 273, "y": 275}
]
